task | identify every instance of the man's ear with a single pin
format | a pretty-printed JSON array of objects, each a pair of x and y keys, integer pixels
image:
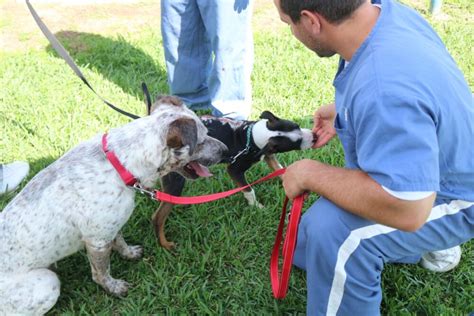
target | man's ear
[
  {"x": 182, "y": 132},
  {"x": 311, "y": 21},
  {"x": 267, "y": 115}
]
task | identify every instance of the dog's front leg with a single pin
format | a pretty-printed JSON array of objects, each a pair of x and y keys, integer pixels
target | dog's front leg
[
  {"x": 99, "y": 259},
  {"x": 128, "y": 252},
  {"x": 272, "y": 162},
  {"x": 237, "y": 173}
]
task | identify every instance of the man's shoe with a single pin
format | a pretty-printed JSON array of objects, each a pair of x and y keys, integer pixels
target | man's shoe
[
  {"x": 12, "y": 174},
  {"x": 442, "y": 260}
]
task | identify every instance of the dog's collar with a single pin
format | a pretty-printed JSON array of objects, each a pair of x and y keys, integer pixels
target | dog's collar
[
  {"x": 126, "y": 175},
  {"x": 248, "y": 145}
]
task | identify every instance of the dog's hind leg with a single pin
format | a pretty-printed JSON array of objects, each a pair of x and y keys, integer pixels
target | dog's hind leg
[
  {"x": 126, "y": 251},
  {"x": 159, "y": 220},
  {"x": 30, "y": 293},
  {"x": 172, "y": 183},
  {"x": 99, "y": 259}
]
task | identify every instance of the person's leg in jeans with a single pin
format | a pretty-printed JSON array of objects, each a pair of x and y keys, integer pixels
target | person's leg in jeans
[
  {"x": 344, "y": 254},
  {"x": 228, "y": 25},
  {"x": 188, "y": 52}
]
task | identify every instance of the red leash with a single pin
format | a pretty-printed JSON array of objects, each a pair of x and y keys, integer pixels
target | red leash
[
  {"x": 279, "y": 281},
  {"x": 161, "y": 196}
]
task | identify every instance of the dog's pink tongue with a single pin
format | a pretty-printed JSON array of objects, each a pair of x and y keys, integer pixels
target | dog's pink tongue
[{"x": 201, "y": 170}]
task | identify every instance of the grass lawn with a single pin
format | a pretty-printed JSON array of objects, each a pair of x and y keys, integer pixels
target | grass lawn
[{"x": 220, "y": 265}]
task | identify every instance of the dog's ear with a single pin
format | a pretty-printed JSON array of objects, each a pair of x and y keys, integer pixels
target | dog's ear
[
  {"x": 267, "y": 115},
  {"x": 166, "y": 99},
  {"x": 182, "y": 132}
]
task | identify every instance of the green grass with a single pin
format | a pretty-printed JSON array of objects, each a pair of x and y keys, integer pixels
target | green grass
[{"x": 221, "y": 262}]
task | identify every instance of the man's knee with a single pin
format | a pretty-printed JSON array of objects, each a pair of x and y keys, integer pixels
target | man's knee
[{"x": 323, "y": 222}]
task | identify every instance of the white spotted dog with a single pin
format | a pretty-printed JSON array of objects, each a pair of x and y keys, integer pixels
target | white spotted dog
[
  {"x": 81, "y": 201},
  {"x": 248, "y": 142}
]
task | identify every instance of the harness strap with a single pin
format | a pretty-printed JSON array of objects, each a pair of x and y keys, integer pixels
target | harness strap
[
  {"x": 64, "y": 54},
  {"x": 247, "y": 144}
]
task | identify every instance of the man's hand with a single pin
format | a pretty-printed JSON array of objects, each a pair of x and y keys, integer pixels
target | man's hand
[
  {"x": 294, "y": 179},
  {"x": 240, "y": 5},
  {"x": 324, "y": 124}
]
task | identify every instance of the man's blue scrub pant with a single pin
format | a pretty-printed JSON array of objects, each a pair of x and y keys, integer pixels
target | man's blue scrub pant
[
  {"x": 344, "y": 254},
  {"x": 208, "y": 48}
]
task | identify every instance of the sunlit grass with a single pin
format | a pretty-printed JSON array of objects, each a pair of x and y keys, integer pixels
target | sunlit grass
[{"x": 221, "y": 262}]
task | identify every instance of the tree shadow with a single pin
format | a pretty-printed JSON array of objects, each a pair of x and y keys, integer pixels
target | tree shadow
[{"x": 116, "y": 59}]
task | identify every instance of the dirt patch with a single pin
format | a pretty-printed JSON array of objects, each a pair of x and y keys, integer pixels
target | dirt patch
[{"x": 19, "y": 32}]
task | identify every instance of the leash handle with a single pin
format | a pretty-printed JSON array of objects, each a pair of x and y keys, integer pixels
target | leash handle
[
  {"x": 280, "y": 280},
  {"x": 64, "y": 54},
  {"x": 165, "y": 197}
]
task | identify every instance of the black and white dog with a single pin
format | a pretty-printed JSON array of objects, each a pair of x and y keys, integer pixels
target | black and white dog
[{"x": 248, "y": 142}]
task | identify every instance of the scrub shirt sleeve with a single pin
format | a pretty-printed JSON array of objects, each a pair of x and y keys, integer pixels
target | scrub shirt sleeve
[{"x": 396, "y": 143}]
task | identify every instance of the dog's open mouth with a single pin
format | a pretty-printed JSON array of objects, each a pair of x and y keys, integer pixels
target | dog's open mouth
[{"x": 194, "y": 169}]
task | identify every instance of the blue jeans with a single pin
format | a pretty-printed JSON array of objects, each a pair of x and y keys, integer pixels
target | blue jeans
[
  {"x": 344, "y": 254},
  {"x": 208, "y": 48}
]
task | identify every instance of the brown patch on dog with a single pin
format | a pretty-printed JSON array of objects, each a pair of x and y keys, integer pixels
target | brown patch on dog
[{"x": 182, "y": 132}]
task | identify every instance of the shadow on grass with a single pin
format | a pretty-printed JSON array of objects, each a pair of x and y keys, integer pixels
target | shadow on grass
[{"x": 116, "y": 59}]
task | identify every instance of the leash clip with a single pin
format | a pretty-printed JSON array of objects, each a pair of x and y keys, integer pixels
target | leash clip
[
  {"x": 138, "y": 187},
  {"x": 246, "y": 150},
  {"x": 240, "y": 153}
]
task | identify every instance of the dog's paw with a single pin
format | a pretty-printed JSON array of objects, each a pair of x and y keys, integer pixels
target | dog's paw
[
  {"x": 133, "y": 252},
  {"x": 117, "y": 287},
  {"x": 252, "y": 199},
  {"x": 256, "y": 204},
  {"x": 168, "y": 245},
  {"x": 259, "y": 205}
]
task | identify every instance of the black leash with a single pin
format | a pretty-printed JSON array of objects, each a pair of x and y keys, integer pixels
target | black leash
[
  {"x": 64, "y": 54},
  {"x": 148, "y": 98}
]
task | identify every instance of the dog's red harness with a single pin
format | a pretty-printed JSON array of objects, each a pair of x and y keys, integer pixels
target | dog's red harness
[{"x": 279, "y": 280}]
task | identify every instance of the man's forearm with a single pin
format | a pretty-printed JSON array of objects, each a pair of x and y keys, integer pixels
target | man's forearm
[{"x": 356, "y": 192}]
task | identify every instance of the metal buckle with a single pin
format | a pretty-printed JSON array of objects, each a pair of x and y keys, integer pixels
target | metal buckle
[
  {"x": 138, "y": 187},
  {"x": 240, "y": 153}
]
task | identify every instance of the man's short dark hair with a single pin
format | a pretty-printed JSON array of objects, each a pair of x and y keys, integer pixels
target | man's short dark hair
[{"x": 335, "y": 11}]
